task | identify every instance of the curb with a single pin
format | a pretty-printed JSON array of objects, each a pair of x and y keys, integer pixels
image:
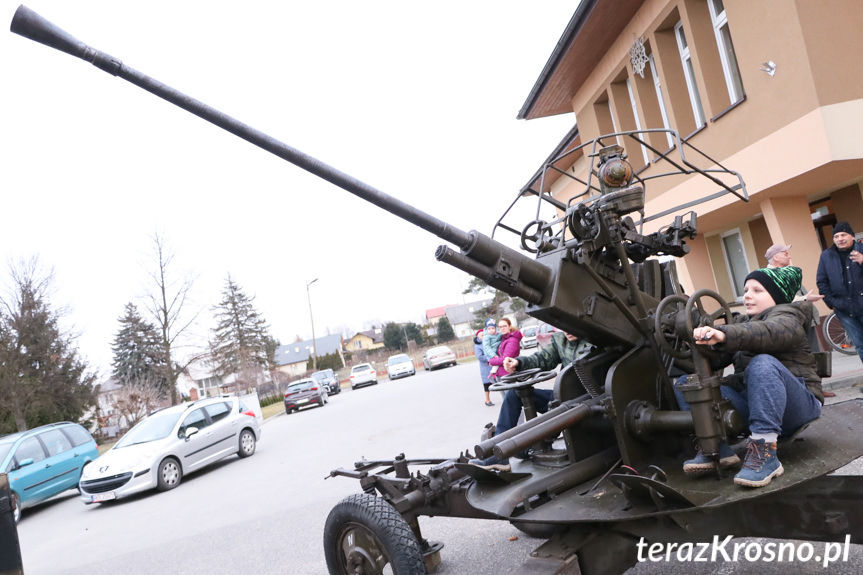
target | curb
[{"x": 853, "y": 379}]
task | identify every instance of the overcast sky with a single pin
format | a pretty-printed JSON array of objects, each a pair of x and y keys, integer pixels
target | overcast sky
[{"x": 416, "y": 99}]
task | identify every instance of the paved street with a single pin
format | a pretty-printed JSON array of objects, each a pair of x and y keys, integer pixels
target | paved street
[{"x": 266, "y": 514}]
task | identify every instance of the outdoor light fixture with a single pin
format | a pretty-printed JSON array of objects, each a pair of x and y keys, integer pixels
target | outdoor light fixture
[
  {"x": 769, "y": 66},
  {"x": 309, "y": 297}
]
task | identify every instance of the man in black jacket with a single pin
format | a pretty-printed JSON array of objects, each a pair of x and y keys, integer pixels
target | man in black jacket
[{"x": 840, "y": 281}]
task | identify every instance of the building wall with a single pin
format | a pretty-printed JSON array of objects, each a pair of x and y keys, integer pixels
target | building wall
[{"x": 794, "y": 136}]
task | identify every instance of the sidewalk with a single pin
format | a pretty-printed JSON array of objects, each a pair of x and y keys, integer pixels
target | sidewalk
[{"x": 847, "y": 372}]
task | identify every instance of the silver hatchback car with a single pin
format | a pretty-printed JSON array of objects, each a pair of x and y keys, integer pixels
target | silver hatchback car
[{"x": 168, "y": 444}]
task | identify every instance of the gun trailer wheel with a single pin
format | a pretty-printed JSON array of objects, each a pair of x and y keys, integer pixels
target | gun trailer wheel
[{"x": 365, "y": 535}]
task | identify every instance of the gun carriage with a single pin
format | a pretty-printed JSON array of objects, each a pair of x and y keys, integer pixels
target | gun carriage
[{"x": 604, "y": 461}]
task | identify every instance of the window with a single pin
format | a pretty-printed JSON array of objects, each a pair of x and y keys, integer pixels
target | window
[
  {"x": 55, "y": 441},
  {"x": 726, "y": 50},
  {"x": 77, "y": 435},
  {"x": 637, "y": 121},
  {"x": 657, "y": 84},
  {"x": 30, "y": 448},
  {"x": 195, "y": 419},
  {"x": 689, "y": 74},
  {"x": 218, "y": 411},
  {"x": 735, "y": 260}
]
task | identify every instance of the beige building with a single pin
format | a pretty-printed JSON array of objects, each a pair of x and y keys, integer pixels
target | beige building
[
  {"x": 366, "y": 340},
  {"x": 771, "y": 90}
]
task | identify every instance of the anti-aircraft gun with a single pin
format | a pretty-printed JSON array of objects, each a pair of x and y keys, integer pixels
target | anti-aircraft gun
[{"x": 604, "y": 467}]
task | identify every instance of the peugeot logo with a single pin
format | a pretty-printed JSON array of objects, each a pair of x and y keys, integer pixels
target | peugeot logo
[{"x": 103, "y": 469}]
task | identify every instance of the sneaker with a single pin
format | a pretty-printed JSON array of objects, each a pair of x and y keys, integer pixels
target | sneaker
[
  {"x": 489, "y": 403},
  {"x": 760, "y": 465},
  {"x": 492, "y": 463},
  {"x": 702, "y": 464}
]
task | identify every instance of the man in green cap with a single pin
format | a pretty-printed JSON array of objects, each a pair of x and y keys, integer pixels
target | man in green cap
[{"x": 777, "y": 388}]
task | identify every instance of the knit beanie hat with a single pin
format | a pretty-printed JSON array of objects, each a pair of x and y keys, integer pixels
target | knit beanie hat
[
  {"x": 490, "y": 323},
  {"x": 781, "y": 283},
  {"x": 842, "y": 227}
]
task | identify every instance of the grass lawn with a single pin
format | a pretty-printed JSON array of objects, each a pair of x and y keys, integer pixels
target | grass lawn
[
  {"x": 273, "y": 409},
  {"x": 105, "y": 447}
]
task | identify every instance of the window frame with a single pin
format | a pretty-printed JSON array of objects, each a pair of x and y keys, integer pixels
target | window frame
[
  {"x": 634, "y": 105},
  {"x": 689, "y": 76},
  {"x": 731, "y": 70},
  {"x": 736, "y": 289},
  {"x": 663, "y": 111}
]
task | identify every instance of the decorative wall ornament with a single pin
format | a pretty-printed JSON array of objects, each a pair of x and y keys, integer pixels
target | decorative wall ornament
[{"x": 638, "y": 56}]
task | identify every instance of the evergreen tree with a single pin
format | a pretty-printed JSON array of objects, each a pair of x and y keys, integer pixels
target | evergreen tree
[
  {"x": 445, "y": 332},
  {"x": 42, "y": 379},
  {"x": 394, "y": 336},
  {"x": 327, "y": 361},
  {"x": 240, "y": 339},
  {"x": 272, "y": 345},
  {"x": 415, "y": 333},
  {"x": 138, "y": 355}
]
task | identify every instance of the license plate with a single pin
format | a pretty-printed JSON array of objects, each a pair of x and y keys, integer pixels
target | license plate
[
  {"x": 107, "y": 496},
  {"x": 303, "y": 401}
]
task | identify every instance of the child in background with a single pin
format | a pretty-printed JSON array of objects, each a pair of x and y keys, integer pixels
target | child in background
[{"x": 490, "y": 343}]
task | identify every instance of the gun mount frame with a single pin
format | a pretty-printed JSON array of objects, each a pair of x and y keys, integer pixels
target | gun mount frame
[{"x": 605, "y": 468}]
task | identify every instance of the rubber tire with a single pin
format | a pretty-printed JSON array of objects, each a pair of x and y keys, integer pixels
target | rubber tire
[
  {"x": 247, "y": 452},
  {"x": 16, "y": 508},
  {"x": 372, "y": 516},
  {"x": 288, "y": 411},
  {"x": 162, "y": 483}
]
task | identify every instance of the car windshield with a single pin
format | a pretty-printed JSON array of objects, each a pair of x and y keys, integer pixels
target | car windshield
[
  {"x": 154, "y": 428},
  {"x": 399, "y": 359},
  {"x": 301, "y": 386},
  {"x": 438, "y": 350},
  {"x": 530, "y": 331},
  {"x": 4, "y": 449},
  {"x": 361, "y": 368},
  {"x": 320, "y": 376}
]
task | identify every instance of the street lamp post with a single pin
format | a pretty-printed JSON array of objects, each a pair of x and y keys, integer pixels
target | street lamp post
[{"x": 309, "y": 297}]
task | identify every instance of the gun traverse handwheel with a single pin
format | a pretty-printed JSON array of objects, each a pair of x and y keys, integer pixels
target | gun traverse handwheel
[
  {"x": 532, "y": 240},
  {"x": 696, "y": 304},
  {"x": 666, "y": 320},
  {"x": 521, "y": 379}
]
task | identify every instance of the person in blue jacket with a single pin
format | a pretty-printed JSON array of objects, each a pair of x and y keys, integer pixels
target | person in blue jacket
[
  {"x": 484, "y": 367},
  {"x": 840, "y": 281}
]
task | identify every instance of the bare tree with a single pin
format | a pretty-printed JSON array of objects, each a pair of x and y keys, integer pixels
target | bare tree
[
  {"x": 167, "y": 303},
  {"x": 136, "y": 398}
]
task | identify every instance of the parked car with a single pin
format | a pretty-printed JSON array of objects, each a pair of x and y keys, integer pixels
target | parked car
[
  {"x": 169, "y": 444},
  {"x": 363, "y": 374},
  {"x": 327, "y": 378},
  {"x": 440, "y": 356},
  {"x": 544, "y": 332},
  {"x": 400, "y": 365},
  {"x": 304, "y": 393},
  {"x": 528, "y": 338},
  {"x": 44, "y": 462}
]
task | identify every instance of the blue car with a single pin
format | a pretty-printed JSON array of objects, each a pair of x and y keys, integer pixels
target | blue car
[{"x": 45, "y": 461}]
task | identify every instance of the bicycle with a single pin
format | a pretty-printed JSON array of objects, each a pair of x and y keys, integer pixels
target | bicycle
[{"x": 836, "y": 336}]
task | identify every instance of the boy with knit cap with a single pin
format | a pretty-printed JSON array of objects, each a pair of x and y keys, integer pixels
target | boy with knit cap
[{"x": 775, "y": 386}]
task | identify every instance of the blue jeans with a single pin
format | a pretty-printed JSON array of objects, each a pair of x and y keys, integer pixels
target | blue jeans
[
  {"x": 854, "y": 327},
  {"x": 511, "y": 408},
  {"x": 773, "y": 400}
]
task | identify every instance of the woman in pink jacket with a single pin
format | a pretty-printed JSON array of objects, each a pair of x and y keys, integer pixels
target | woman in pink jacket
[{"x": 509, "y": 343}]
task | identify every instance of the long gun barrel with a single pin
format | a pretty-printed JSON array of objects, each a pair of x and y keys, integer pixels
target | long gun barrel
[{"x": 498, "y": 265}]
